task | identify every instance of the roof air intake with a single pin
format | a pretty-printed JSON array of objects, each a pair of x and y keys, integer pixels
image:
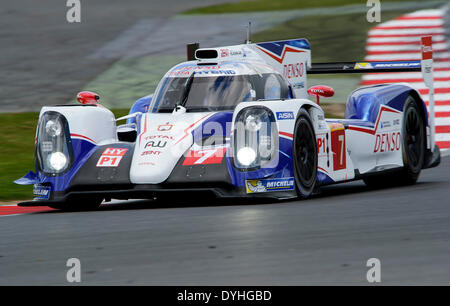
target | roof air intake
[{"x": 206, "y": 54}]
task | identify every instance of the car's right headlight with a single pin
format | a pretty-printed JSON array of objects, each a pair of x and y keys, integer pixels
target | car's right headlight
[
  {"x": 255, "y": 138},
  {"x": 53, "y": 146}
]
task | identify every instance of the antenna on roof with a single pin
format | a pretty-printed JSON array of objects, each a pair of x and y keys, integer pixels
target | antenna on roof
[{"x": 248, "y": 32}]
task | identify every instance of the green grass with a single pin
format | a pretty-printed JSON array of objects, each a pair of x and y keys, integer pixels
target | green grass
[
  {"x": 17, "y": 152},
  {"x": 273, "y": 5}
]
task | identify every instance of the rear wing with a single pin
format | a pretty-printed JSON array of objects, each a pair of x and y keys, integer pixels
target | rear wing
[
  {"x": 364, "y": 67},
  {"x": 425, "y": 66}
]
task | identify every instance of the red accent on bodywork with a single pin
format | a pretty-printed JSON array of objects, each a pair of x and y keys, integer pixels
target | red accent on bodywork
[
  {"x": 189, "y": 127},
  {"x": 321, "y": 91},
  {"x": 427, "y": 51},
  {"x": 88, "y": 97},
  {"x": 371, "y": 130},
  {"x": 286, "y": 134},
  {"x": 285, "y": 49},
  {"x": 81, "y": 136}
]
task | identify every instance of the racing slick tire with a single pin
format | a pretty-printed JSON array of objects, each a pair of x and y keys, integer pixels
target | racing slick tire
[
  {"x": 305, "y": 155},
  {"x": 79, "y": 204},
  {"x": 413, "y": 149}
]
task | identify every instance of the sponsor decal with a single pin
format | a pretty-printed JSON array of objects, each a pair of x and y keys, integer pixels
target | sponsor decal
[
  {"x": 111, "y": 157},
  {"x": 205, "y": 156},
  {"x": 41, "y": 191},
  {"x": 224, "y": 52},
  {"x": 387, "y": 142},
  {"x": 294, "y": 70},
  {"x": 363, "y": 66},
  {"x": 209, "y": 72},
  {"x": 299, "y": 85},
  {"x": 385, "y": 124},
  {"x": 338, "y": 148},
  {"x": 259, "y": 186},
  {"x": 150, "y": 152},
  {"x": 152, "y": 137},
  {"x": 427, "y": 50},
  {"x": 395, "y": 65},
  {"x": 146, "y": 164},
  {"x": 396, "y": 122},
  {"x": 155, "y": 144},
  {"x": 321, "y": 145},
  {"x": 165, "y": 127},
  {"x": 285, "y": 115}
]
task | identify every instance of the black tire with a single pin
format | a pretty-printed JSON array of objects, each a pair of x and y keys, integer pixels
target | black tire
[
  {"x": 413, "y": 150},
  {"x": 79, "y": 204},
  {"x": 305, "y": 155}
]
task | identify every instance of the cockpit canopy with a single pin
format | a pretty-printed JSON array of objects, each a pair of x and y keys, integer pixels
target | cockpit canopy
[{"x": 217, "y": 87}]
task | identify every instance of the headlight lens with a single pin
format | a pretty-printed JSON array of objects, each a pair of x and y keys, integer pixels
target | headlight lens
[
  {"x": 53, "y": 128},
  {"x": 253, "y": 123},
  {"x": 57, "y": 161},
  {"x": 53, "y": 146},
  {"x": 255, "y": 138},
  {"x": 246, "y": 156}
]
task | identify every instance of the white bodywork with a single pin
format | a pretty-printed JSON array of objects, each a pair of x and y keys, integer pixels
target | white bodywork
[
  {"x": 163, "y": 140},
  {"x": 95, "y": 124}
]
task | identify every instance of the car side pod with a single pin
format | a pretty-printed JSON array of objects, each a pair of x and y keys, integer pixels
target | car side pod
[{"x": 321, "y": 91}]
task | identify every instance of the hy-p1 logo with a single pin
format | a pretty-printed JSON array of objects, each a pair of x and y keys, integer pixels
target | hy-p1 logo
[{"x": 111, "y": 157}]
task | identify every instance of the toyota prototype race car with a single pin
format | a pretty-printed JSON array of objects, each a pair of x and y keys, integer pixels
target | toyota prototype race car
[{"x": 236, "y": 121}]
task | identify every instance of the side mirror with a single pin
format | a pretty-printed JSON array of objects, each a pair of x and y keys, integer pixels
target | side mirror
[
  {"x": 321, "y": 91},
  {"x": 88, "y": 97}
]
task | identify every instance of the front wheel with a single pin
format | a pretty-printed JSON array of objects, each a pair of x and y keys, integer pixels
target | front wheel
[{"x": 305, "y": 155}]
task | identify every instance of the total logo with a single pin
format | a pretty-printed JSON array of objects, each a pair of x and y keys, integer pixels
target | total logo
[
  {"x": 387, "y": 142},
  {"x": 152, "y": 137}
]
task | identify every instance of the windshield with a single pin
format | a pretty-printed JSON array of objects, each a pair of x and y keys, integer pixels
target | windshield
[{"x": 217, "y": 93}]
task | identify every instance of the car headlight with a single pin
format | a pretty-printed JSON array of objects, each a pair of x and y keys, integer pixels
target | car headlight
[
  {"x": 253, "y": 123},
  {"x": 246, "y": 156},
  {"x": 53, "y": 147},
  {"x": 57, "y": 161},
  {"x": 255, "y": 138},
  {"x": 53, "y": 128}
]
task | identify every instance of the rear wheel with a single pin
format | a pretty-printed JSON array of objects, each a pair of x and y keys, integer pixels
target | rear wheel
[
  {"x": 305, "y": 155},
  {"x": 413, "y": 149}
]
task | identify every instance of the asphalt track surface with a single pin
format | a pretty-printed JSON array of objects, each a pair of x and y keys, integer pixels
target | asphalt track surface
[{"x": 325, "y": 240}]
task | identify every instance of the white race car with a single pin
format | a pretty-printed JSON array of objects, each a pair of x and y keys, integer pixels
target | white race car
[{"x": 235, "y": 121}]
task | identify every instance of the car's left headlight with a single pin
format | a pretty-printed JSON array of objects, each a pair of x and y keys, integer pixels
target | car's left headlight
[
  {"x": 255, "y": 138},
  {"x": 53, "y": 145}
]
